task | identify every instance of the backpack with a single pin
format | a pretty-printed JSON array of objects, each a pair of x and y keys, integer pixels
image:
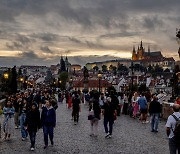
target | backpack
[{"x": 177, "y": 129}]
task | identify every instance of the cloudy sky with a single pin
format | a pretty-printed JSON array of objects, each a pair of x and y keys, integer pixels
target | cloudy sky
[{"x": 39, "y": 32}]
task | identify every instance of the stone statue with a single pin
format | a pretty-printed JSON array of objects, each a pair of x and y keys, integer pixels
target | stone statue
[{"x": 86, "y": 74}]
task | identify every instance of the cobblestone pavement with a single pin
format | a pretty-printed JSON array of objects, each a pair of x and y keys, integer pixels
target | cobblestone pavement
[{"x": 129, "y": 137}]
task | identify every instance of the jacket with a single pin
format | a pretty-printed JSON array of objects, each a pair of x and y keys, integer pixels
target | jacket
[
  {"x": 33, "y": 120},
  {"x": 154, "y": 107},
  {"x": 48, "y": 116}
]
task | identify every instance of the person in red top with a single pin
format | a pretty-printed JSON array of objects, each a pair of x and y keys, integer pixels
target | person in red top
[
  {"x": 69, "y": 101},
  {"x": 177, "y": 100}
]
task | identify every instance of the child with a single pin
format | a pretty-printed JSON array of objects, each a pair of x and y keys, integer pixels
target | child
[{"x": 8, "y": 112}]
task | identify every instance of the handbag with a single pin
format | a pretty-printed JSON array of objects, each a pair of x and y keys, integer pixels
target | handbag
[{"x": 91, "y": 114}]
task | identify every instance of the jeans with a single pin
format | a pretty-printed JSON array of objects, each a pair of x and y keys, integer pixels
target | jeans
[
  {"x": 32, "y": 135},
  {"x": 16, "y": 118},
  {"x": 76, "y": 116},
  {"x": 154, "y": 121},
  {"x": 48, "y": 130},
  {"x": 173, "y": 147},
  {"x": 111, "y": 122},
  {"x": 24, "y": 133}
]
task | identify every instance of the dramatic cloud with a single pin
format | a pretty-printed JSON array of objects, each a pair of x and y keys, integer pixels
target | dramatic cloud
[{"x": 47, "y": 29}]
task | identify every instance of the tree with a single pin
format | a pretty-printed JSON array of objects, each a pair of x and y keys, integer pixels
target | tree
[
  {"x": 104, "y": 68},
  {"x": 95, "y": 68},
  {"x": 158, "y": 68},
  {"x": 13, "y": 83},
  {"x": 63, "y": 77},
  {"x": 123, "y": 70},
  {"x": 167, "y": 70}
]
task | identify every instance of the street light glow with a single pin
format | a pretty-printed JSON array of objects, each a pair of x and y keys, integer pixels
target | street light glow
[{"x": 6, "y": 75}]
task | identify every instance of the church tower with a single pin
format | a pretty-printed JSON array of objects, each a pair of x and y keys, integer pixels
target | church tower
[
  {"x": 134, "y": 56},
  {"x": 141, "y": 52},
  {"x": 62, "y": 65}
]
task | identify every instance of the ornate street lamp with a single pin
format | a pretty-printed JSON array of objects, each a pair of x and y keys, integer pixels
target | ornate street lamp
[{"x": 99, "y": 77}]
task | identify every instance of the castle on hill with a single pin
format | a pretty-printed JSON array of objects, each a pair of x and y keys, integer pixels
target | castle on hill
[{"x": 140, "y": 54}]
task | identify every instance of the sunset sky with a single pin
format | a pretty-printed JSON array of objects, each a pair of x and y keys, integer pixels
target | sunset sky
[{"x": 39, "y": 32}]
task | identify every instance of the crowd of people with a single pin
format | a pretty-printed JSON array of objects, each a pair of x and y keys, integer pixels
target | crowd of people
[{"x": 31, "y": 110}]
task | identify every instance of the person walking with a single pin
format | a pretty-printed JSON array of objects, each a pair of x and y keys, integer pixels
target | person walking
[
  {"x": 23, "y": 112},
  {"x": 135, "y": 105},
  {"x": 32, "y": 124},
  {"x": 8, "y": 124},
  {"x": 1, "y": 119},
  {"x": 125, "y": 106},
  {"x": 95, "y": 106},
  {"x": 17, "y": 102},
  {"x": 143, "y": 108},
  {"x": 174, "y": 144},
  {"x": 154, "y": 111},
  {"x": 48, "y": 120},
  {"x": 109, "y": 111},
  {"x": 76, "y": 108}
]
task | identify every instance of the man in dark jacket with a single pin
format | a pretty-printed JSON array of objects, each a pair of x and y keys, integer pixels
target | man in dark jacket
[
  {"x": 32, "y": 123},
  {"x": 109, "y": 111},
  {"x": 154, "y": 110},
  {"x": 76, "y": 107},
  {"x": 48, "y": 119}
]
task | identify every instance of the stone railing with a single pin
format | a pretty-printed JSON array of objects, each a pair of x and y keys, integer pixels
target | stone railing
[{"x": 166, "y": 109}]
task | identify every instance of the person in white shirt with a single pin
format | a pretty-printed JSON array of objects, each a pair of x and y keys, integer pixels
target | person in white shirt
[
  {"x": 170, "y": 126},
  {"x": 161, "y": 97}
]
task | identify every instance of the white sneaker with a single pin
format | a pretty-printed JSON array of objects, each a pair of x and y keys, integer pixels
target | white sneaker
[
  {"x": 107, "y": 135},
  {"x": 23, "y": 139},
  {"x": 16, "y": 127},
  {"x": 147, "y": 122},
  {"x": 32, "y": 149}
]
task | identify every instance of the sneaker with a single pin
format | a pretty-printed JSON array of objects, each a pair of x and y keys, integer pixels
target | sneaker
[
  {"x": 45, "y": 146},
  {"x": 152, "y": 130},
  {"x": 146, "y": 122},
  {"x": 156, "y": 131},
  {"x": 110, "y": 136},
  {"x": 23, "y": 139},
  {"x": 32, "y": 149},
  {"x": 107, "y": 135},
  {"x": 16, "y": 127}
]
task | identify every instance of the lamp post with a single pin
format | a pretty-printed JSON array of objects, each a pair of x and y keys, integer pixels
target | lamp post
[
  {"x": 132, "y": 73},
  {"x": 70, "y": 82},
  {"x": 99, "y": 77},
  {"x": 21, "y": 79}
]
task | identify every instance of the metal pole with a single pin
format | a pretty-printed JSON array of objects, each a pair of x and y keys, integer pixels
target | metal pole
[
  {"x": 132, "y": 76},
  {"x": 99, "y": 85}
]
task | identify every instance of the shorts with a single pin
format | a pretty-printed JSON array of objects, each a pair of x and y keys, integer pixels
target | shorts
[{"x": 143, "y": 111}]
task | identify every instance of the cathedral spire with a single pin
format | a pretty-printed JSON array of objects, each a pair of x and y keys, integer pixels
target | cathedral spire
[
  {"x": 148, "y": 48},
  {"x": 141, "y": 44}
]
